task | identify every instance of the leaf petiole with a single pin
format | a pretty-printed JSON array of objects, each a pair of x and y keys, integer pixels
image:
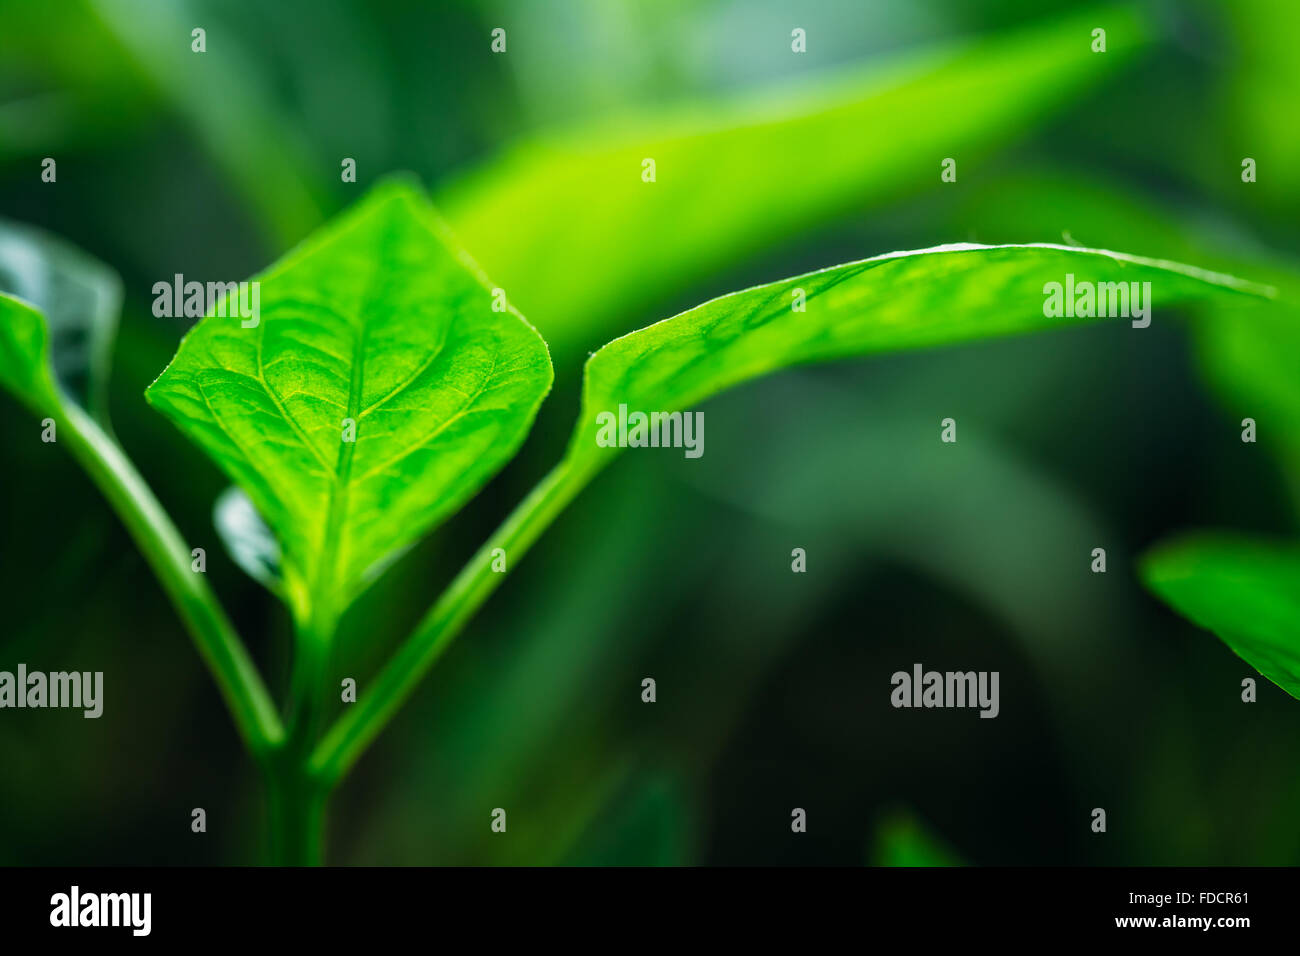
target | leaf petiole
[
  {"x": 150, "y": 526},
  {"x": 352, "y": 733}
]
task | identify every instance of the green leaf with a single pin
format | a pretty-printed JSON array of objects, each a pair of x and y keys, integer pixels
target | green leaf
[
  {"x": 380, "y": 320},
  {"x": 736, "y": 176},
  {"x": 24, "y": 356},
  {"x": 1249, "y": 355},
  {"x": 68, "y": 348},
  {"x": 901, "y": 300},
  {"x": 223, "y": 96},
  {"x": 250, "y": 543},
  {"x": 1245, "y": 590},
  {"x": 52, "y": 363},
  {"x": 1254, "y": 365}
]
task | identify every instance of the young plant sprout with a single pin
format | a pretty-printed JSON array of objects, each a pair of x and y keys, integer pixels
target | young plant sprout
[{"x": 384, "y": 380}]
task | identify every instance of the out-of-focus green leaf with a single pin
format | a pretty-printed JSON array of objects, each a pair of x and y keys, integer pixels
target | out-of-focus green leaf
[
  {"x": 64, "y": 84},
  {"x": 78, "y": 299},
  {"x": 251, "y": 544},
  {"x": 897, "y": 301},
  {"x": 732, "y": 178},
  {"x": 1261, "y": 83},
  {"x": 1250, "y": 353},
  {"x": 43, "y": 370},
  {"x": 1254, "y": 363},
  {"x": 1247, "y": 591},
  {"x": 380, "y": 322},
  {"x": 903, "y": 840},
  {"x": 222, "y": 94}
]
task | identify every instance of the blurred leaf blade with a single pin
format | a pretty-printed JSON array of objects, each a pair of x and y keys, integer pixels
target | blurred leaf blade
[
  {"x": 28, "y": 366},
  {"x": 221, "y": 94},
  {"x": 1249, "y": 354},
  {"x": 250, "y": 543},
  {"x": 1247, "y": 591},
  {"x": 1253, "y": 362},
  {"x": 76, "y": 301},
  {"x": 725, "y": 171}
]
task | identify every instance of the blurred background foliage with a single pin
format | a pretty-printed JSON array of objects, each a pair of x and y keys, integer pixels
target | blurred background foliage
[{"x": 773, "y": 687}]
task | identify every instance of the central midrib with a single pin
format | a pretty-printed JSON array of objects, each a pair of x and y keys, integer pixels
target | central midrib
[{"x": 338, "y": 507}]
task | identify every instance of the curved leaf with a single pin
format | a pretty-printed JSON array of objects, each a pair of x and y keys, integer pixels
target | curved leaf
[
  {"x": 78, "y": 298},
  {"x": 1247, "y": 591},
  {"x": 733, "y": 176},
  {"x": 45, "y": 371},
  {"x": 381, "y": 322},
  {"x": 24, "y": 356},
  {"x": 901, "y": 300},
  {"x": 251, "y": 544}
]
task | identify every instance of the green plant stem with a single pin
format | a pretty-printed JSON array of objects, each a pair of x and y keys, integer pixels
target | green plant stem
[
  {"x": 352, "y": 733},
  {"x": 312, "y": 644},
  {"x": 220, "y": 647},
  {"x": 297, "y": 814},
  {"x": 297, "y": 799}
]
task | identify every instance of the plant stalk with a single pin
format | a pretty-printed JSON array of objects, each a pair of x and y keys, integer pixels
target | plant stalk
[
  {"x": 296, "y": 804},
  {"x": 169, "y": 556},
  {"x": 296, "y": 798},
  {"x": 348, "y": 738}
]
